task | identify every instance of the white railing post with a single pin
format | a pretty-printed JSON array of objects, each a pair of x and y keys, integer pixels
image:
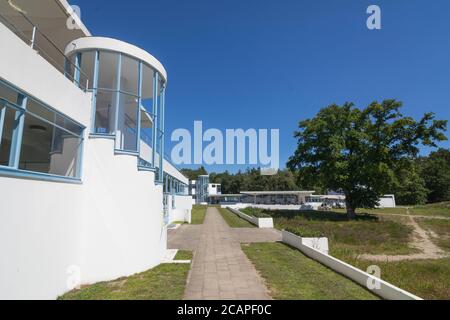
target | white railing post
[{"x": 33, "y": 37}]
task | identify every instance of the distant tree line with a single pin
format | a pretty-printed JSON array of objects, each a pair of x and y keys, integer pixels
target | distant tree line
[
  {"x": 363, "y": 153},
  {"x": 423, "y": 180}
]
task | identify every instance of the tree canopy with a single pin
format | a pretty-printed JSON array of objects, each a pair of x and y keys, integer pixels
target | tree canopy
[{"x": 359, "y": 151}]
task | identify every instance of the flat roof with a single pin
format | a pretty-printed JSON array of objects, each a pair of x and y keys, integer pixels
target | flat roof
[
  {"x": 225, "y": 195},
  {"x": 258, "y": 193}
]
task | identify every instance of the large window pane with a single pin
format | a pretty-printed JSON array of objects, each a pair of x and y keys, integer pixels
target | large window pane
[
  {"x": 104, "y": 115},
  {"x": 47, "y": 149},
  {"x": 6, "y": 134},
  {"x": 127, "y": 123},
  {"x": 108, "y": 70},
  {"x": 129, "y": 75},
  {"x": 87, "y": 68},
  {"x": 147, "y": 88}
]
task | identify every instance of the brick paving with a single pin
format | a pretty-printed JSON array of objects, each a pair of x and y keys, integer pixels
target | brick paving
[{"x": 220, "y": 269}]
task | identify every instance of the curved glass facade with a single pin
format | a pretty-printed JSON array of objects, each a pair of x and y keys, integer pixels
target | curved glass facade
[{"x": 128, "y": 101}]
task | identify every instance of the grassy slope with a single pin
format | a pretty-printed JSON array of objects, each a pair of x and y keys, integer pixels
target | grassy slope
[
  {"x": 198, "y": 214},
  {"x": 233, "y": 220},
  {"x": 367, "y": 234},
  {"x": 291, "y": 275},
  {"x": 428, "y": 279},
  {"x": 164, "y": 282},
  {"x": 436, "y": 209}
]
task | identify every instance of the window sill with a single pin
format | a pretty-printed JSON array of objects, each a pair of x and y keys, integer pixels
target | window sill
[
  {"x": 101, "y": 136},
  {"x": 23, "y": 174},
  {"x": 141, "y": 168}
]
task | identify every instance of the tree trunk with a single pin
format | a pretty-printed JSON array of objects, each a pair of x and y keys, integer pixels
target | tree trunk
[{"x": 351, "y": 212}]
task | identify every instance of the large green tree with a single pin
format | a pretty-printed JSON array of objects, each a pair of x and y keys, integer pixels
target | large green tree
[
  {"x": 409, "y": 186},
  {"x": 192, "y": 174},
  {"x": 436, "y": 173},
  {"x": 357, "y": 151}
]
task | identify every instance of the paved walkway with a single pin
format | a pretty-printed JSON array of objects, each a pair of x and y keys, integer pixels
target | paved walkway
[{"x": 220, "y": 269}]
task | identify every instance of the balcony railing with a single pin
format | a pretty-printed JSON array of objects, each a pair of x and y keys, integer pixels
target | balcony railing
[{"x": 46, "y": 48}]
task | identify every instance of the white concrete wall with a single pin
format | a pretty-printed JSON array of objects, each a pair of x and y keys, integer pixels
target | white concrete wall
[
  {"x": 263, "y": 206},
  {"x": 26, "y": 69},
  {"x": 182, "y": 210},
  {"x": 109, "y": 226},
  {"x": 123, "y": 215},
  {"x": 385, "y": 290}
]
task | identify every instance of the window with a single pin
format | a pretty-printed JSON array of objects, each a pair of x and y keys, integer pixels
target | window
[
  {"x": 173, "y": 201},
  {"x": 7, "y": 120},
  {"x": 38, "y": 139},
  {"x": 105, "y": 112},
  {"x": 108, "y": 73},
  {"x": 127, "y": 127},
  {"x": 130, "y": 75},
  {"x": 87, "y": 68}
]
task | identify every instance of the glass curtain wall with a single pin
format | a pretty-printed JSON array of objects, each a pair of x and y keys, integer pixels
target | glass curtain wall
[{"x": 128, "y": 103}]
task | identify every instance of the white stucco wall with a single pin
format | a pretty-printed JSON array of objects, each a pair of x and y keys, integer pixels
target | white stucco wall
[
  {"x": 182, "y": 210},
  {"x": 109, "y": 226},
  {"x": 26, "y": 69}
]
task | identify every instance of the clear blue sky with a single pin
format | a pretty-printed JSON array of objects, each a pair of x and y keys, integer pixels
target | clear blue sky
[{"x": 268, "y": 64}]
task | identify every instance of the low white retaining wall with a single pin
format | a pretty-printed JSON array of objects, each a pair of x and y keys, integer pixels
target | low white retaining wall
[
  {"x": 238, "y": 206},
  {"x": 260, "y": 222},
  {"x": 386, "y": 290},
  {"x": 274, "y": 207}
]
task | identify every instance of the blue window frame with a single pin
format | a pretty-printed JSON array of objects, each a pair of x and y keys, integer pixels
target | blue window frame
[
  {"x": 37, "y": 141},
  {"x": 128, "y": 103}
]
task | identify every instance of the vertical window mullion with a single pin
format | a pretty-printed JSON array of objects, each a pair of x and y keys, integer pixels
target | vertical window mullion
[
  {"x": 138, "y": 135},
  {"x": 95, "y": 89},
  {"x": 17, "y": 135},
  {"x": 116, "y": 120},
  {"x": 161, "y": 142},
  {"x": 155, "y": 116},
  {"x": 2, "y": 121}
]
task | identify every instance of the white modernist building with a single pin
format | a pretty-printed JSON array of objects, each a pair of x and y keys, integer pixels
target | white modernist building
[
  {"x": 86, "y": 193},
  {"x": 201, "y": 189}
]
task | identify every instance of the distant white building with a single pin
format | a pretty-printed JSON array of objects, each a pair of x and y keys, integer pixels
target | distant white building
[
  {"x": 387, "y": 201},
  {"x": 201, "y": 189}
]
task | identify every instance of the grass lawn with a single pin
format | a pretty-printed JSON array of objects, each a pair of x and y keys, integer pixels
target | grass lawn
[
  {"x": 428, "y": 279},
  {"x": 198, "y": 214},
  {"x": 183, "y": 255},
  {"x": 164, "y": 282},
  {"x": 367, "y": 234},
  {"x": 233, "y": 220},
  {"x": 290, "y": 275},
  {"x": 436, "y": 209}
]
